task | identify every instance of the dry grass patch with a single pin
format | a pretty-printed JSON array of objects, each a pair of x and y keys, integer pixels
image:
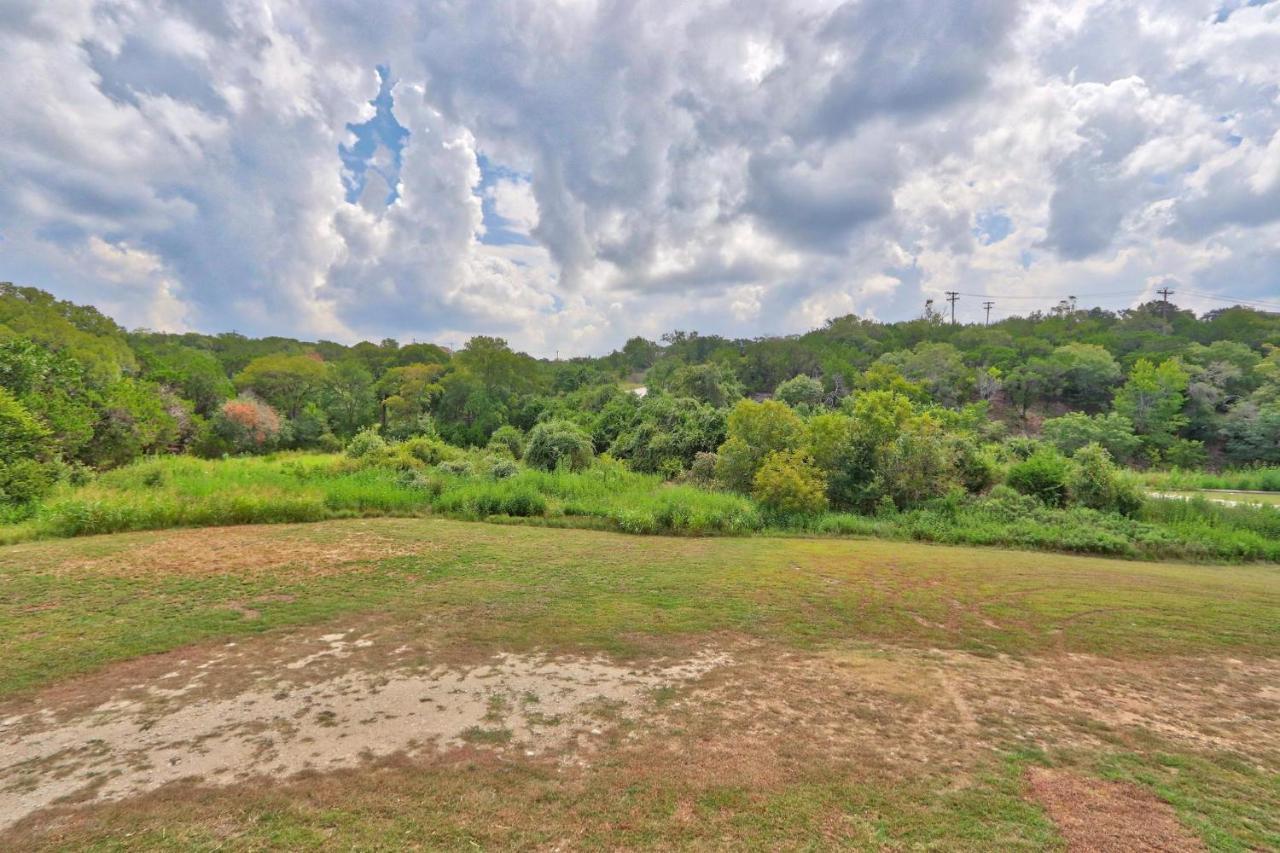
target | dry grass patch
[{"x": 1095, "y": 816}]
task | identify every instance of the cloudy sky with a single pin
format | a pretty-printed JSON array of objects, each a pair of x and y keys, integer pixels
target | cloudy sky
[{"x": 567, "y": 173}]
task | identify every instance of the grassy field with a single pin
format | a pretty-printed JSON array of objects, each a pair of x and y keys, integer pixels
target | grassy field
[
  {"x": 853, "y": 693},
  {"x": 170, "y": 492}
]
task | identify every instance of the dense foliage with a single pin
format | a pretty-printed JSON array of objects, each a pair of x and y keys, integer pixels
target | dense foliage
[{"x": 857, "y": 417}]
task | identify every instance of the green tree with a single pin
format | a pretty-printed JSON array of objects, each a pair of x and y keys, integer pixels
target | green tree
[
  {"x": 136, "y": 419},
  {"x": 754, "y": 430},
  {"x": 1043, "y": 475},
  {"x": 1080, "y": 375},
  {"x": 1152, "y": 399},
  {"x": 1075, "y": 430},
  {"x": 194, "y": 374},
  {"x": 713, "y": 384},
  {"x": 939, "y": 368},
  {"x": 787, "y": 483},
  {"x": 286, "y": 382},
  {"x": 22, "y": 436},
  {"x": 1093, "y": 480},
  {"x": 349, "y": 401},
  {"x": 407, "y": 395},
  {"x": 799, "y": 390},
  {"x": 492, "y": 363}
]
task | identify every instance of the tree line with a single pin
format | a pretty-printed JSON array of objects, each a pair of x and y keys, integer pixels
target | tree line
[{"x": 860, "y": 411}]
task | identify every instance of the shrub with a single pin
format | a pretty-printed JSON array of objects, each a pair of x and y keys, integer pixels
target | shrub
[
  {"x": 457, "y": 467},
  {"x": 21, "y": 433},
  {"x": 429, "y": 451},
  {"x": 509, "y": 439},
  {"x": 1185, "y": 453},
  {"x": 789, "y": 484},
  {"x": 365, "y": 443},
  {"x": 25, "y": 481},
  {"x": 557, "y": 443},
  {"x": 754, "y": 431},
  {"x": 975, "y": 466},
  {"x": 243, "y": 425},
  {"x": 432, "y": 484},
  {"x": 1095, "y": 481},
  {"x": 1042, "y": 475},
  {"x": 799, "y": 390},
  {"x": 703, "y": 470},
  {"x": 504, "y": 468}
]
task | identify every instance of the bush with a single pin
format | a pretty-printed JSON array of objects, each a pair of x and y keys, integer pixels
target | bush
[
  {"x": 429, "y": 451},
  {"x": 553, "y": 444},
  {"x": 365, "y": 443},
  {"x": 243, "y": 425},
  {"x": 1042, "y": 475},
  {"x": 509, "y": 439},
  {"x": 1185, "y": 453},
  {"x": 504, "y": 468},
  {"x": 799, "y": 390},
  {"x": 25, "y": 481},
  {"x": 1095, "y": 481},
  {"x": 789, "y": 484},
  {"x": 457, "y": 467},
  {"x": 975, "y": 466},
  {"x": 703, "y": 470},
  {"x": 754, "y": 431}
]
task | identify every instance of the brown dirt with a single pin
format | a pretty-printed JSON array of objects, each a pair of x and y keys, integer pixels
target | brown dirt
[
  {"x": 1096, "y": 816},
  {"x": 151, "y": 735},
  {"x": 246, "y": 551},
  {"x": 720, "y": 710}
]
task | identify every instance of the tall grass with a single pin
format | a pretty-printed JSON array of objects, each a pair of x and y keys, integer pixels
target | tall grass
[
  {"x": 186, "y": 492},
  {"x": 1241, "y": 479}
]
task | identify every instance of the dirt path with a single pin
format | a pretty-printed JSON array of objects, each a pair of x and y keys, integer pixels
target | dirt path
[{"x": 146, "y": 735}]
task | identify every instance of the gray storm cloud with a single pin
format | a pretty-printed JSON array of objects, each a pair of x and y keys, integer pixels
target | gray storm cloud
[{"x": 736, "y": 167}]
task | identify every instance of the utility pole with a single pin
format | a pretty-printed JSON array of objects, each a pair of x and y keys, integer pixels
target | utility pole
[
  {"x": 1164, "y": 309},
  {"x": 952, "y": 296},
  {"x": 988, "y": 306}
]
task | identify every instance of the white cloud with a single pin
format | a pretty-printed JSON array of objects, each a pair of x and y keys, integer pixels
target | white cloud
[{"x": 734, "y": 167}]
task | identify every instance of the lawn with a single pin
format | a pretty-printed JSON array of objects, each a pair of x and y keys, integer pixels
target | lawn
[{"x": 857, "y": 693}]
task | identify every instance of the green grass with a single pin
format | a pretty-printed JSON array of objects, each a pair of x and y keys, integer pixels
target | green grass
[
  {"x": 1230, "y": 802},
  {"x": 73, "y": 605},
  {"x": 1260, "y": 479},
  {"x": 1219, "y": 495},
  {"x": 172, "y": 492}
]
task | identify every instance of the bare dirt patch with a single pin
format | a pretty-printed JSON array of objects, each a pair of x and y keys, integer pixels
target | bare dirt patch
[
  {"x": 126, "y": 746},
  {"x": 245, "y": 551},
  {"x": 1096, "y": 816},
  {"x": 714, "y": 711}
]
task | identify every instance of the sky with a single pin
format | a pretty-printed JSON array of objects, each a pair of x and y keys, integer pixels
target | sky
[{"x": 569, "y": 173}]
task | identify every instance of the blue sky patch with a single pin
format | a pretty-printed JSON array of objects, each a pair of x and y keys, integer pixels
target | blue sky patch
[
  {"x": 991, "y": 226},
  {"x": 383, "y": 131},
  {"x": 497, "y": 228}
]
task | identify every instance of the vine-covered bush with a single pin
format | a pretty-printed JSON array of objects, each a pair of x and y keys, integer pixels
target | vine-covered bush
[{"x": 556, "y": 444}]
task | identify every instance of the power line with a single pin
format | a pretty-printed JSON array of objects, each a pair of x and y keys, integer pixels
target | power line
[
  {"x": 1048, "y": 298},
  {"x": 1220, "y": 298}
]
